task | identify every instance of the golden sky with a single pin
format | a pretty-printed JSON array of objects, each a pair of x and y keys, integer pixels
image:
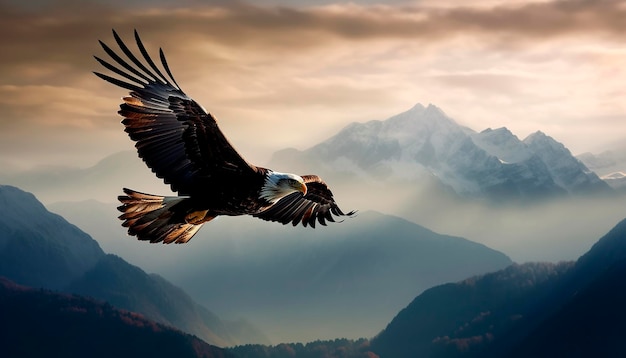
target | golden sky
[{"x": 282, "y": 74}]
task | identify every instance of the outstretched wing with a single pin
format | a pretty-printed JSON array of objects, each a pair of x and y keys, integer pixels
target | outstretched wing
[
  {"x": 317, "y": 205},
  {"x": 175, "y": 136}
]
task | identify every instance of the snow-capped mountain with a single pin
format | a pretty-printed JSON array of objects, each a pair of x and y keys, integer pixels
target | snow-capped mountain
[
  {"x": 610, "y": 165},
  {"x": 567, "y": 171},
  {"x": 424, "y": 142}
]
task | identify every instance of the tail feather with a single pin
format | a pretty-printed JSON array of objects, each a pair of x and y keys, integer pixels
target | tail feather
[{"x": 156, "y": 218}]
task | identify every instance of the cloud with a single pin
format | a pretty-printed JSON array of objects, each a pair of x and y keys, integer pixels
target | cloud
[
  {"x": 535, "y": 20},
  {"x": 42, "y": 103},
  {"x": 55, "y": 29},
  {"x": 61, "y": 36},
  {"x": 259, "y": 67},
  {"x": 53, "y": 43}
]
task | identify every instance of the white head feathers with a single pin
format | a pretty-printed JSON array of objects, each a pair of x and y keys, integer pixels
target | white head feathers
[{"x": 278, "y": 185}]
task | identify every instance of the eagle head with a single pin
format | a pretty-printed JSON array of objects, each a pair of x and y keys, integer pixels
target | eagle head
[{"x": 278, "y": 185}]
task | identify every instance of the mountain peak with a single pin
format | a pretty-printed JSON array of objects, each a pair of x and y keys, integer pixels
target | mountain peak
[
  {"x": 419, "y": 119},
  {"x": 16, "y": 196},
  {"x": 418, "y": 108},
  {"x": 541, "y": 137},
  {"x": 567, "y": 171},
  {"x": 423, "y": 142},
  {"x": 497, "y": 131},
  {"x": 610, "y": 249},
  {"x": 18, "y": 206},
  {"x": 436, "y": 110},
  {"x": 51, "y": 251},
  {"x": 503, "y": 144}
]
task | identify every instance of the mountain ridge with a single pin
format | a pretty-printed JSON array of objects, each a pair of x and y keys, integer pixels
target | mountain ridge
[
  {"x": 571, "y": 309},
  {"x": 424, "y": 141},
  {"x": 262, "y": 271},
  {"x": 41, "y": 249},
  {"x": 74, "y": 326}
]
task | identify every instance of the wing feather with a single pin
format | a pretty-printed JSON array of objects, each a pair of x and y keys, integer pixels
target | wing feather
[
  {"x": 167, "y": 68},
  {"x": 134, "y": 59},
  {"x": 112, "y": 68},
  {"x": 299, "y": 212},
  {"x": 146, "y": 56},
  {"x": 317, "y": 206},
  {"x": 115, "y": 81},
  {"x": 174, "y": 135},
  {"x": 122, "y": 62}
]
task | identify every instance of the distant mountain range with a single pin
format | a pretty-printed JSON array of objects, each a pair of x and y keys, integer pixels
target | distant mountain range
[
  {"x": 103, "y": 181},
  {"x": 489, "y": 187},
  {"x": 477, "y": 185},
  {"x": 422, "y": 146},
  {"x": 41, "y": 323},
  {"x": 344, "y": 280},
  {"x": 568, "y": 309},
  {"x": 425, "y": 144},
  {"x": 351, "y": 279},
  {"x": 41, "y": 249},
  {"x": 524, "y": 310},
  {"x": 610, "y": 165}
]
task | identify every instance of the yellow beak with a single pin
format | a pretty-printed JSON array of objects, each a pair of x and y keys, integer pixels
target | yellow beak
[{"x": 303, "y": 188}]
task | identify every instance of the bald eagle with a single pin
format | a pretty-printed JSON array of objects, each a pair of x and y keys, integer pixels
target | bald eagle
[{"x": 183, "y": 145}]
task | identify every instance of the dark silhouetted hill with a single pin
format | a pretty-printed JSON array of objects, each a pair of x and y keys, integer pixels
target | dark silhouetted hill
[
  {"x": 457, "y": 318},
  {"x": 128, "y": 287},
  {"x": 41, "y": 249},
  {"x": 41, "y": 323},
  {"x": 591, "y": 321},
  {"x": 338, "y": 348},
  {"x": 529, "y": 310}
]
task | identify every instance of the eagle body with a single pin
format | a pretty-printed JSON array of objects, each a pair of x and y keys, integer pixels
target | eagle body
[{"x": 182, "y": 144}]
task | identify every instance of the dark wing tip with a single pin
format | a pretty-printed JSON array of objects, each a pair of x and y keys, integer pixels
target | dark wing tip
[
  {"x": 352, "y": 213},
  {"x": 167, "y": 67}
]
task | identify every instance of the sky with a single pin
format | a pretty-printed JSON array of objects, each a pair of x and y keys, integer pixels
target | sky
[{"x": 282, "y": 74}]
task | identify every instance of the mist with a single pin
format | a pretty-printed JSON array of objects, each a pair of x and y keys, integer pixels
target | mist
[
  {"x": 553, "y": 230},
  {"x": 287, "y": 280},
  {"x": 539, "y": 230},
  {"x": 302, "y": 294},
  {"x": 290, "y": 282},
  {"x": 536, "y": 230}
]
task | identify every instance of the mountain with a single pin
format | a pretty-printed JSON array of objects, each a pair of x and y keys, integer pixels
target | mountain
[
  {"x": 489, "y": 187},
  {"x": 610, "y": 165},
  {"x": 336, "y": 348},
  {"x": 592, "y": 319},
  {"x": 37, "y": 323},
  {"x": 424, "y": 143},
  {"x": 450, "y": 319},
  {"x": 38, "y": 248},
  {"x": 529, "y": 310},
  {"x": 401, "y": 187},
  {"x": 128, "y": 287},
  {"x": 41, "y": 249},
  {"x": 345, "y": 280},
  {"x": 102, "y": 181}
]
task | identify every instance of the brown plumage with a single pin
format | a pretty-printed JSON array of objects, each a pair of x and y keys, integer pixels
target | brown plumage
[{"x": 184, "y": 146}]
